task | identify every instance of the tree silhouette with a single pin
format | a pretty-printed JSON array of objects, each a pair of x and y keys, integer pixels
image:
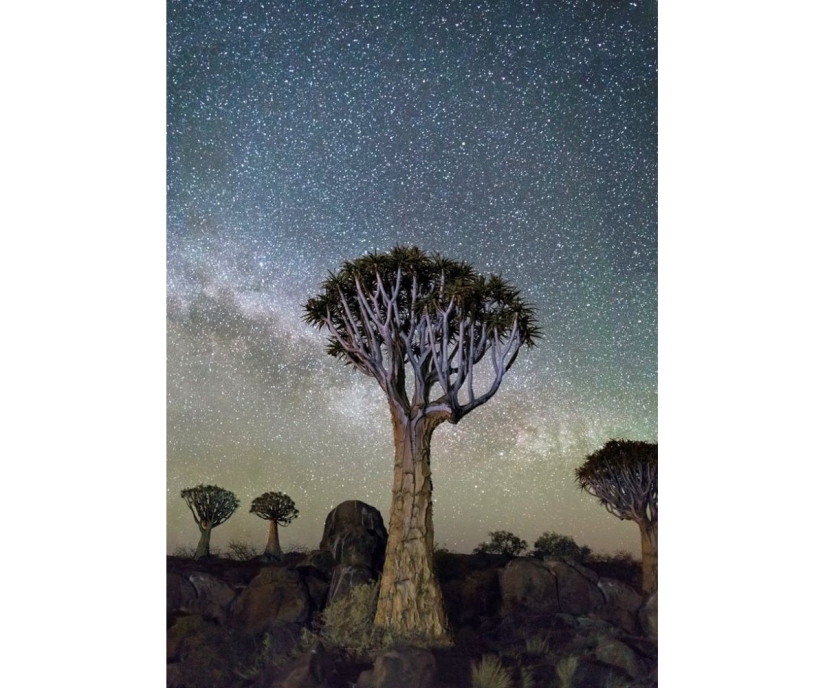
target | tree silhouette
[
  {"x": 623, "y": 474},
  {"x": 278, "y": 509},
  {"x": 210, "y": 506},
  {"x": 502, "y": 542},
  {"x": 557, "y": 546},
  {"x": 420, "y": 324}
]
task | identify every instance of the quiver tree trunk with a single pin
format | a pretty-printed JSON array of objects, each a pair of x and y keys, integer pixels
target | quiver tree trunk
[
  {"x": 650, "y": 557},
  {"x": 410, "y": 601},
  {"x": 203, "y": 543},
  {"x": 273, "y": 545}
]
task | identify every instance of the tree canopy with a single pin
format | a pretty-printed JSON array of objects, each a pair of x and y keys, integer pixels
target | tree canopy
[
  {"x": 557, "y": 546},
  {"x": 502, "y": 542},
  {"x": 623, "y": 476},
  {"x": 275, "y": 506},
  {"x": 409, "y": 312},
  {"x": 210, "y": 505}
]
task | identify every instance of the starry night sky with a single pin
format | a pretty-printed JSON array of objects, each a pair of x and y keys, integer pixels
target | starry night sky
[{"x": 518, "y": 136}]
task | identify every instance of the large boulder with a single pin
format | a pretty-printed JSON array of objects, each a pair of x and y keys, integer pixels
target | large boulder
[
  {"x": 528, "y": 585},
  {"x": 615, "y": 652},
  {"x": 577, "y": 588},
  {"x": 531, "y": 585},
  {"x": 355, "y": 535},
  {"x": 621, "y": 605},
  {"x": 180, "y": 593},
  {"x": 274, "y": 595}
]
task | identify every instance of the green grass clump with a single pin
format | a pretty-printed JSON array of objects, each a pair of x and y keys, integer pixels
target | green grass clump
[
  {"x": 490, "y": 673},
  {"x": 536, "y": 645},
  {"x": 565, "y": 669},
  {"x": 527, "y": 678},
  {"x": 348, "y": 622}
]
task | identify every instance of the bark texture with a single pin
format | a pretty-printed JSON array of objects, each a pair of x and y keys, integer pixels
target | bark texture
[
  {"x": 273, "y": 545},
  {"x": 410, "y": 601},
  {"x": 650, "y": 557},
  {"x": 203, "y": 543}
]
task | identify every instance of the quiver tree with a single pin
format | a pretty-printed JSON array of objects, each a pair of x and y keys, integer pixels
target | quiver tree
[
  {"x": 420, "y": 324},
  {"x": 624, "y": 476},
  {"x": 279, "y": 510},
  {"x": 210, "y": 506}
]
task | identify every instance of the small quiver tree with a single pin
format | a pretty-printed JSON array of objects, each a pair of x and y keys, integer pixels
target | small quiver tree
[
  {"x": 210, "y": 506},
  {"x": 279, "y": 510},
  {"x": 420, "y": 324},
  {"x": 623, "y": 474}
]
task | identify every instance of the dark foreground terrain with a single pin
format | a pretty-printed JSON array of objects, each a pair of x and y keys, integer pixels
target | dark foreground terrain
[{"x": 305, "y": 620}]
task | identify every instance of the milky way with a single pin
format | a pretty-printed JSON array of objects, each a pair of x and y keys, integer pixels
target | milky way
[{"x": 520, "y": 137}]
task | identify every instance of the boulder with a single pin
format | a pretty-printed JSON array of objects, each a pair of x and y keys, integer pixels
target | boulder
[
  {"x": 179, "y": 592},
  {"x": 528, "y": 585},
  {"x": 615, "y": 652},
  {"x": 577, "y": 591},
  {"x": 407, "y": 667},
  {"x": 317, "y": 585},
  {"x": 621, "y": 605},
  {"x": 274, "y": 595},
  {"x": 320, "y": 559},
  {"x": 649, "y": 615},
  {"x": 201, "y": 593},
  {"x": 592, "y": 672},
  {"x": 355, "y": 535},
  {"x": 312, "y": 669}
]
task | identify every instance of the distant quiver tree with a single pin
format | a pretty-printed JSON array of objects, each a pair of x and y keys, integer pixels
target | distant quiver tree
[
  {"x": 420, "y": 324},
  {"x": 623, "y": 474},
  {"x": 210, "y": 506},
  {"x": 279, "y": 510}
]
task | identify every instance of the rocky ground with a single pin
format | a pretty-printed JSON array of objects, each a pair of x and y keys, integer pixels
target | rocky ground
[{"x": 259, "y": 624}]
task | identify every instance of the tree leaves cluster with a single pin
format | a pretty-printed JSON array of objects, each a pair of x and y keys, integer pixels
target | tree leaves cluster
[
  {"x": 623, "y": 475},
  {"x": 502, "y": 542},
  {"x": 556, "y": 546},
  {"x": 210, "y": 505},
  {"x": 439, "y": 316},
  {"x": 551, "y": 545},
  {"x": 275, "y": 506}
]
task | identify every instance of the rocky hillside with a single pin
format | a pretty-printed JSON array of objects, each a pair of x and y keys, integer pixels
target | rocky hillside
[{"x": 538, "y": 623}]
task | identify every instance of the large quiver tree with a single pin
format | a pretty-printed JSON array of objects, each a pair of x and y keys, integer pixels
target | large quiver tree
[
  {"x": 279, "y": 510},
  {"x": 210, "y": 506},
  {"x": 623, "y": 474},
  {"x": 420, "y": 324}
]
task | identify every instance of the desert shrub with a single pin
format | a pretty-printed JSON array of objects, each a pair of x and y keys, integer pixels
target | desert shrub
[
  {"x": 490, "y": 673},
  {"x": 536, "y": 645},
  {"x": 241, "y": 551},
  {"x": 502, "y": 542},
  {"x": 294, "y": 548},
  {"x": 557, "y": 546},
  {"x": 347, "y": 623},
  {"x": 565, "y": 668},
  {"x": 526, "y": 678},
  {"x": 184, "y": 552}
]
